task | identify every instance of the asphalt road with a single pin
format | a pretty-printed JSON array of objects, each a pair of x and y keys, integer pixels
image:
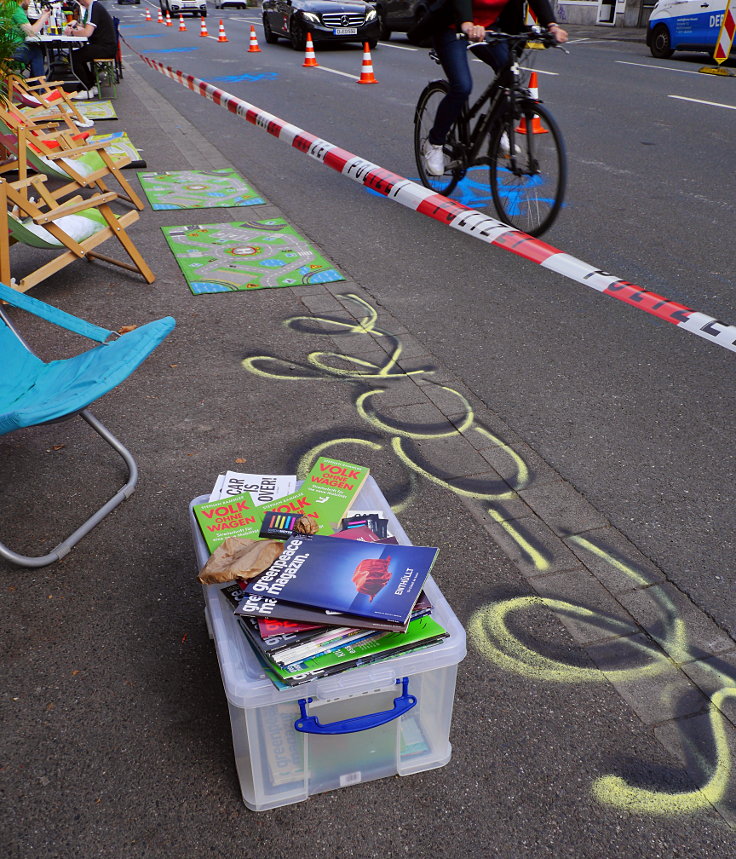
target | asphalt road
[
  {"x": 634, "y": 413},
  {"x": 569, "y": 454}
]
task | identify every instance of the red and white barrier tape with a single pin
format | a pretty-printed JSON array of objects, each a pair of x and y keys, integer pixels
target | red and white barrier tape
[{"x": 457, "y": 216}]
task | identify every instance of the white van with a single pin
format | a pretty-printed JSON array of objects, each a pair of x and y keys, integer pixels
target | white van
[
  {"x": 684, "y": 25},
  {"x": 184, "y": 7}
]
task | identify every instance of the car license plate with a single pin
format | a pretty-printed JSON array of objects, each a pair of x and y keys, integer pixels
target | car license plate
[{"x": 345, "y": 31}]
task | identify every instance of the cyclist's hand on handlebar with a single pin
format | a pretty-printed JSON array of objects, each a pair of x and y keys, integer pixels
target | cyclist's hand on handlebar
[
  {"x": 474, "y": 32},
  {"x": 557, "y": 32}
]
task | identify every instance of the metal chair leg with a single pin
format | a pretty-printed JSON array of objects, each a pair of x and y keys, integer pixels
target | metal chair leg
[{"x": 126, "y": 491}]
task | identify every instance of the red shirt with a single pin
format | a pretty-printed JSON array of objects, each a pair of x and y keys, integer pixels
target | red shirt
[{"x": 486, "y": 12}]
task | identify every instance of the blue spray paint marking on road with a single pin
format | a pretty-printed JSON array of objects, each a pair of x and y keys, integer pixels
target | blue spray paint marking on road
[
  {"x": 147, "y": 35},
  {"x": 171, "y": 50},
  {"x": 474, "y": 191},
  {"x": 266, "y": 76},
  {"x": 516, "y": 198},
  {"x": 470, "y": 191}
]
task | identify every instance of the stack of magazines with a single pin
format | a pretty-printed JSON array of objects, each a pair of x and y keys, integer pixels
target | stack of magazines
[{"x": 347, "y": 596}]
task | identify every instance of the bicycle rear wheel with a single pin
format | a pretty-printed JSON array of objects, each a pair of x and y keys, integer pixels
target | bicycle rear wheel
[
  {"x": 528, "y": 169},
  {"x": 424, "y": 116}
]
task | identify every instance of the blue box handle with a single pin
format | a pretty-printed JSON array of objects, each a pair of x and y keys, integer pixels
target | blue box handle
[{"x": 311, "y": 724}]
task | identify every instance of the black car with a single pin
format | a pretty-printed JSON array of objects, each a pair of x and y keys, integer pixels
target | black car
[
  {"x": 399, "y": 15},
  {"x": 326, "y": 20}
]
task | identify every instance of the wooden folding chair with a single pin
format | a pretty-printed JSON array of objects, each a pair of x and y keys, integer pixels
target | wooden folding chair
[
  {"x": 59, "y": 156},
  {"x": 72, "y": 228},
  {"x": 39, "y": 96},
  {"x": 43, "y": 124},
  {"x": 41, "y": 119}
]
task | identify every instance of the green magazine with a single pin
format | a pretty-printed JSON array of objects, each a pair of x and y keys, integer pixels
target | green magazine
[
  {"x": 326, "y": 495},
  {"x": 421, "y": 632}
]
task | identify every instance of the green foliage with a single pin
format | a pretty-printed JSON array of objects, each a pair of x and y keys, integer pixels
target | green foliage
[{"x": 7, "y": 44}]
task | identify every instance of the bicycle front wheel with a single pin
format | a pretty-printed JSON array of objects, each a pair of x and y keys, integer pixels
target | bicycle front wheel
[
  {"x": 424, "y": 115},
  {"x": 528, "y": 169}
]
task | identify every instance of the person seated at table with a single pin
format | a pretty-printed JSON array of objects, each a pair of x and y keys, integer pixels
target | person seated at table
[
  {"x": 97, "y": 26},
  {"x": 28, "y": 52}
]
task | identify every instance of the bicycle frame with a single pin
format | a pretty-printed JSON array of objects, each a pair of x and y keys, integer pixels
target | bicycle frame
[{"x": 504, "y": 98}]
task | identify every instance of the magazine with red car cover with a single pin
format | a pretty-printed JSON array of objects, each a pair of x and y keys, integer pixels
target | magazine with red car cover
[{"x": 370, "y": 580}]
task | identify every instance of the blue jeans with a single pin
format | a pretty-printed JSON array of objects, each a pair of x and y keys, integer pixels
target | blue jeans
[
  {"x": 453, "y": 54},
  {"x": 32, "y": 55}
]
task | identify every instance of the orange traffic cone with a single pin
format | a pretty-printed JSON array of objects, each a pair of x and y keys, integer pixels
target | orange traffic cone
[
  {"x": 160, "y": 19},
  {"x": 536, "y": 121},
  {"x": 309, "y": 57},
  {"x": 253, "y": 49},
  {"x": 168, "y": 19},
  {"x": 148, "y": 14},
  {"x": 203, "y": 28},
  {"x": 221, "y": 36},
  {"x": 182, "y": 25},
  {"x": 366, "y": 71}
]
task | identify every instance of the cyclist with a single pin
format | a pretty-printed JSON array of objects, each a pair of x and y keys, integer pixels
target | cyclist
[{"x": 472, "y": 18}]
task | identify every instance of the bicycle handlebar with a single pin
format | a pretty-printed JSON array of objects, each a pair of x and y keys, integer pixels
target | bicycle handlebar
[{"x": 534, "y": 33}]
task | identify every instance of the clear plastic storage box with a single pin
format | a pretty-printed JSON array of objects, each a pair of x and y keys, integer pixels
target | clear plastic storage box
[{"x": 391, "y": 717}]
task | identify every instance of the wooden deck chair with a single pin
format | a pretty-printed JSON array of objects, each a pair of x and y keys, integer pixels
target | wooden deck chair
[
  {"x": 72, "y": 228},
  {"x": 33, "y": 392},
  {"x": 41, "y": 119},
  {"x": 46, "y": 127},
  {"x": 56, "y": 155},
  {"x": 40, "y": 95}
]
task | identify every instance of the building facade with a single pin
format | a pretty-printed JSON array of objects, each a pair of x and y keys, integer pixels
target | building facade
[{"x": 608, "y": 13}]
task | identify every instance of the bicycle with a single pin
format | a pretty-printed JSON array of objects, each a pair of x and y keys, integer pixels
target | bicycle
[{"x": 509, "y": 130}]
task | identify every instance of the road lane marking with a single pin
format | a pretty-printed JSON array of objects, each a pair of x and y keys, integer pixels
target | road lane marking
[
  {"x": 526, "y": 68},
  {"x": 652, "y": 66},
  {"x": 540, "y": 71},
  {"x": 336, "y": 72},
  {"x": 398, "y": 47},
  {"x": 702, "y": 101}
]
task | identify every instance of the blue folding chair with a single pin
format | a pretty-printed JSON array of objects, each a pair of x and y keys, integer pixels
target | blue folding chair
[{"x": 34, "y": 392}]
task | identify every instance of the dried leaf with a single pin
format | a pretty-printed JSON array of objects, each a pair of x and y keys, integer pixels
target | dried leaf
[
  {"x": 305, "y": 525},
  {"x": 124, "y": 329},
  {"x": 239, "y": 558}
]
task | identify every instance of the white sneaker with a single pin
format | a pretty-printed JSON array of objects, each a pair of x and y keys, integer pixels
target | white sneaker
[
  {"x": 86, "y": 94},
  {"x": 434, "y": 158},
  {"x": 505, "y": 146}
]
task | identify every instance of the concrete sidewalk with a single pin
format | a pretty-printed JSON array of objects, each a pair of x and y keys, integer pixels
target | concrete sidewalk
[
  {"x": 117, "y": 740},
  {"x": 613, "y": 34}
]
